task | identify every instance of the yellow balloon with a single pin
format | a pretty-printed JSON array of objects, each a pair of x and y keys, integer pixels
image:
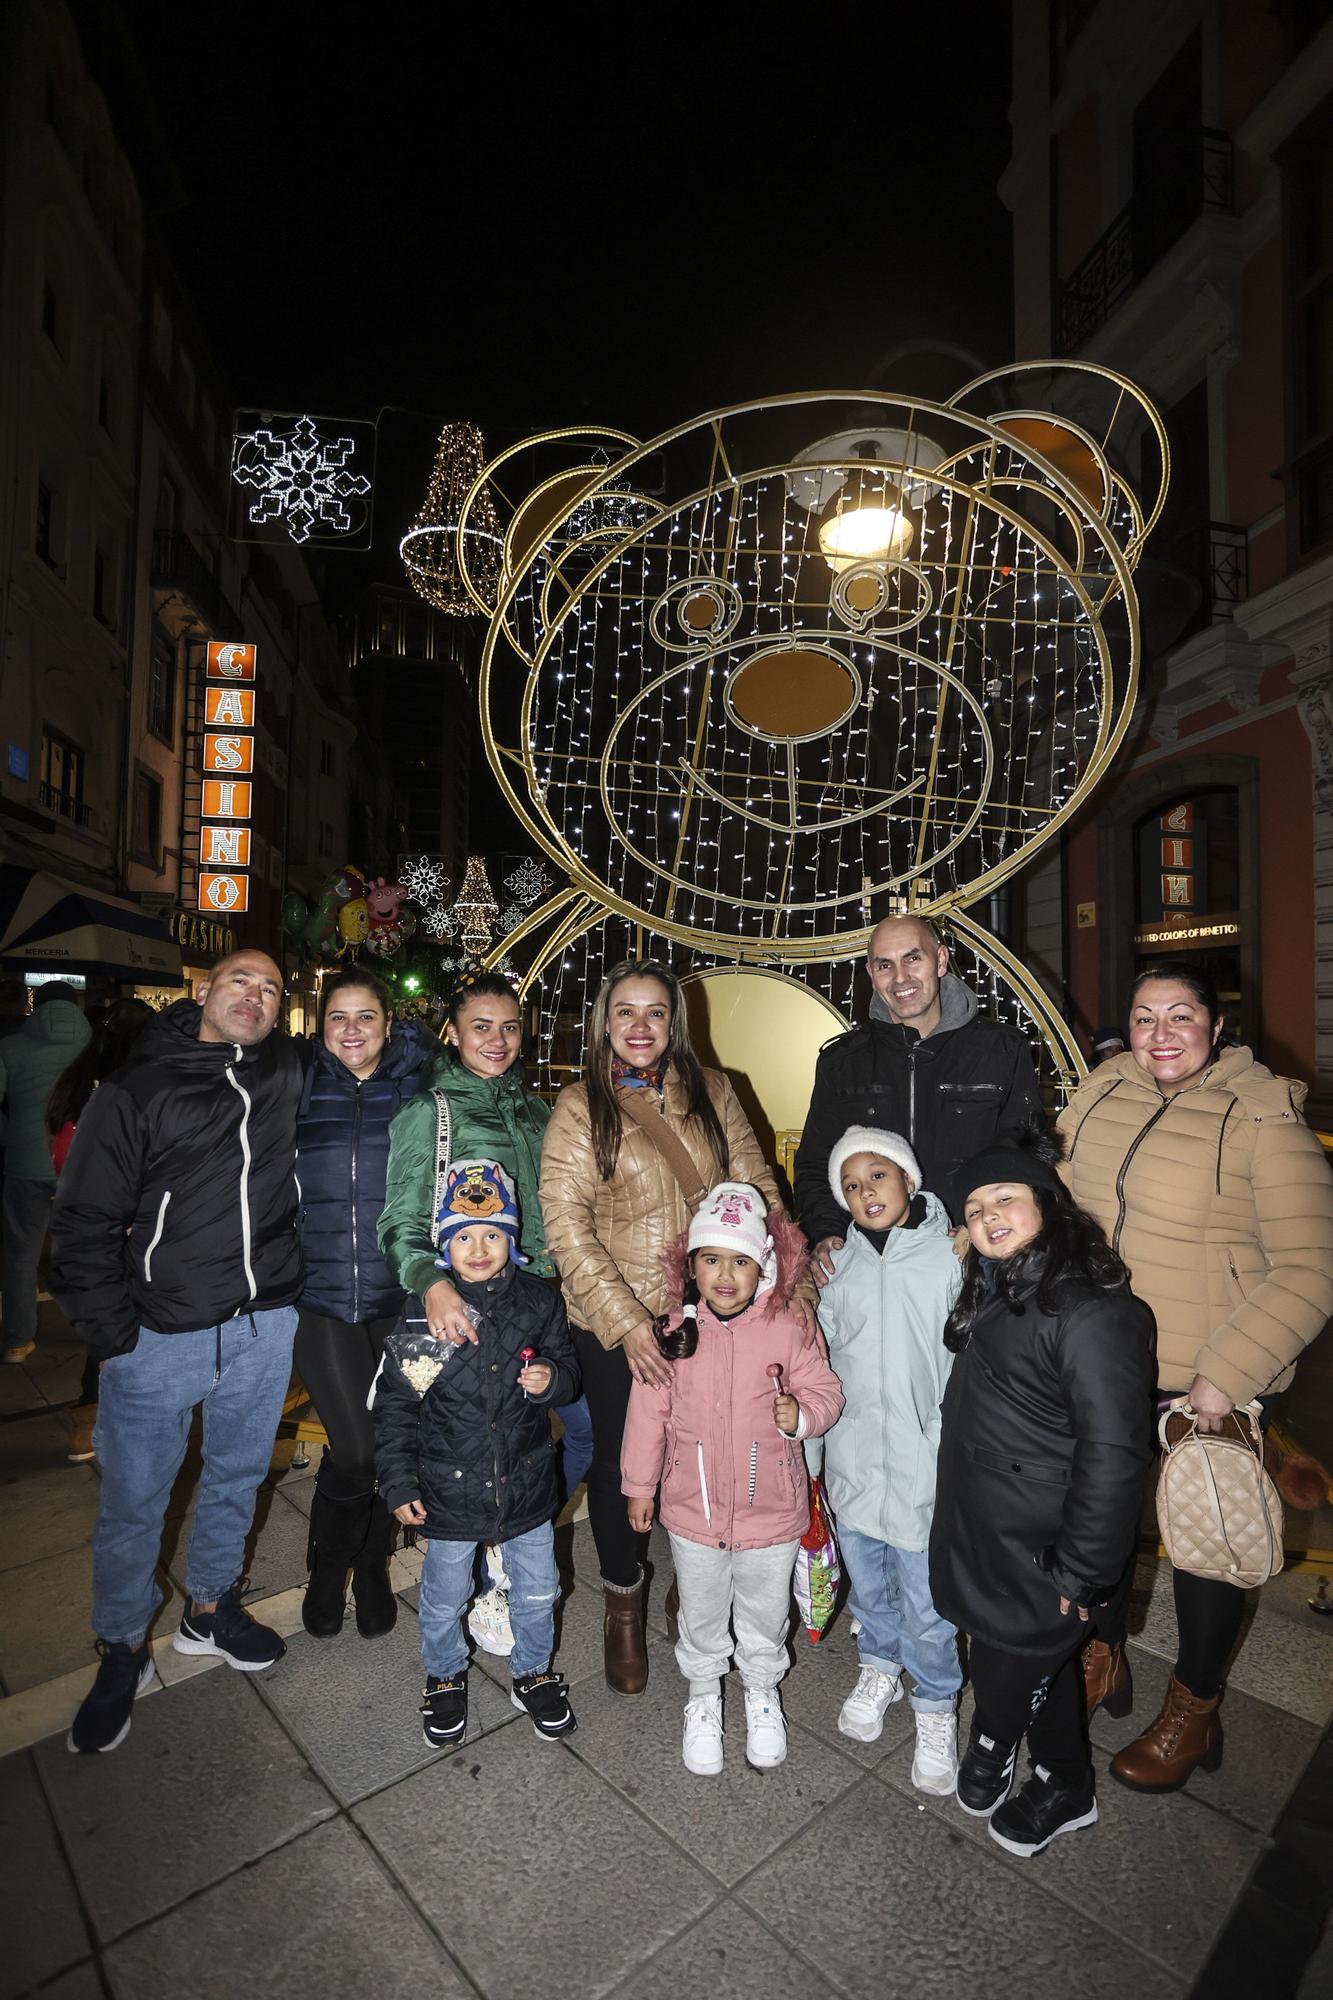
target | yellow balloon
[{"x": 354, "y": 921}]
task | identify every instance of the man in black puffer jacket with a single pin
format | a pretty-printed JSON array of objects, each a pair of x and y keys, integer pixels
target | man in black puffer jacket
[
  {"x": 464, "y": 1452},
  {"x": 927, "y": 1064},
  {"x": 174, "y": 1254}
]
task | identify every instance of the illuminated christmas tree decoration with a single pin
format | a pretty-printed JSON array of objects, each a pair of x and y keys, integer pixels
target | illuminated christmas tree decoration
[
  {"x": 429, "y": 549},
  {"x": 315, "y": 484},
  {"x": 475, "y": 908}
]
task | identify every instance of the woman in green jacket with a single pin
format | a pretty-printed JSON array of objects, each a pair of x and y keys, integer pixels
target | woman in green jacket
[{"x": 495, "y": 1114}]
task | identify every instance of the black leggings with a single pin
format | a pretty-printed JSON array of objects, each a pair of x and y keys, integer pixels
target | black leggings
[
  {"x": 1208, "y": 1621},
  {"x": 606, "y": 1384},
  {"x": 1037, "y": 1695},
  {"x": 337, "y": 1364}
]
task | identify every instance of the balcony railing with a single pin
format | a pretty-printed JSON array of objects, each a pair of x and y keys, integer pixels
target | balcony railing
[
  {"x": 1136, "y": 240},
  {"x": 64, "y": 803},
  {"x": 178, "y": 565}
]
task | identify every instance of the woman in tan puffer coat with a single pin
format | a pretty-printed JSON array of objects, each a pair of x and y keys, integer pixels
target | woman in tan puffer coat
[
  {"x": 611, "y": 1204},
  {"x": 1216, "y": 1193}
]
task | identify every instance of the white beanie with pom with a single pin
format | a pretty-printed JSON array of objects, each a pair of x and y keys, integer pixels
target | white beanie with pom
[{"x": 866, "y": 1139}]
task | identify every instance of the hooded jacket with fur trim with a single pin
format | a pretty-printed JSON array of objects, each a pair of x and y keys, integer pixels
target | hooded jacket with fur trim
[
  {"x": 729, "y": 1476},
  {"x": 1220, "y": 1201}
]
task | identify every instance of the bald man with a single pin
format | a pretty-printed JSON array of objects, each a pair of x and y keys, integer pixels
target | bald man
[
  {"x": 927, "y": 1064},
  {"x": 174, "y": 1254}
]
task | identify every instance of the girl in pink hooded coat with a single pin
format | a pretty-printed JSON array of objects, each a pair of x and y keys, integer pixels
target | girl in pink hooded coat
[{"x": 723, "y": 1440}]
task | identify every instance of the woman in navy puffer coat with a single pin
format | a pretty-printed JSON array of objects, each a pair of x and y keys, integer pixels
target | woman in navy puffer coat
[{"x": 364, "y": 1066}]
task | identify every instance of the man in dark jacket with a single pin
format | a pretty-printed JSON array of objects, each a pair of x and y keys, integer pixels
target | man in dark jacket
[
  {"x": 927, "y": 1064},
  {"x": 175, "y": 1256}
]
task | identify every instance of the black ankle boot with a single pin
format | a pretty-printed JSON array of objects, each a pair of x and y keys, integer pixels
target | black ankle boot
[
  {"x": 376, "y": 1605},
  {"x": 339, "y": 1521}
]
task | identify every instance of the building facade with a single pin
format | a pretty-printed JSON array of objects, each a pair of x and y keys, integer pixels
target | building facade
[
  {"x": 118, "y": 568},
  {"x": 1171, "y": 186}
]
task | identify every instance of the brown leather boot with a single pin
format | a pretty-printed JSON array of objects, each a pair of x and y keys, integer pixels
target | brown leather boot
[
  {"x": 1107, "y": 1682},
  {"x": 626, "y": 1661},
  {"x": 1187, "y": 1732}
]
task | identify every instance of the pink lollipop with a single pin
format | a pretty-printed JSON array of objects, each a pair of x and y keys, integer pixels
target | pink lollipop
[
  {"x": 775, "y": 1374},
  {"x": 525, "y": 1355}
]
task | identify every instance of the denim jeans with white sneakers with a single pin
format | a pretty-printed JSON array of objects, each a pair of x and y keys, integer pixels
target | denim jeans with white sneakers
[
  {"x": 900, "y": 1626},
  {"x": 238, "y": 1372},
  {"x": 446, "y": 1588}
]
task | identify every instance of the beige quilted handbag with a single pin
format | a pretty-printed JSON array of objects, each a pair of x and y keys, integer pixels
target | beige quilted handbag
[{"x": 1217, "y": 1509}]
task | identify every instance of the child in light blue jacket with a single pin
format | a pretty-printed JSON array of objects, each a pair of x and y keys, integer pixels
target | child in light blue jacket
[{"x": 883, "y": 1312}]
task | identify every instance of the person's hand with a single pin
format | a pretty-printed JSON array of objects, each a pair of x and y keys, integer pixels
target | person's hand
[
  {"x": 786, "y": 1414},
  {"x": 446, "y": 1315},
  {"x": 812, "y": 1334},
  {"x": 1067, "y": 1605},
  {"x": 535, "y": 1379},
  {"x": 412, "y": 1514},
  {"x": 821, "y": 1261},
  {"x": 647, "y": 1363},
  {"x": 1208, "y": 1403},
  {"x": 640, "y": 1516}
]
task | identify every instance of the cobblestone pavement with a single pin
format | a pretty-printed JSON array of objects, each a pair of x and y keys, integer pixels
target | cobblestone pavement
[{"x": 291, "y": 1832}]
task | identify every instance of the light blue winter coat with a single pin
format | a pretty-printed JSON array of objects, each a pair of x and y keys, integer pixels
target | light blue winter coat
[{"x": 883, "y": 1316}]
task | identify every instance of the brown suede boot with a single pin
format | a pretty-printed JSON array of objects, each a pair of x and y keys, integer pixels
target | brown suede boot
[
  {"x": 1107, "y": 1682},
  {"x": 626, "y": 1660},
  {"x": 1187, "y": 1732}
]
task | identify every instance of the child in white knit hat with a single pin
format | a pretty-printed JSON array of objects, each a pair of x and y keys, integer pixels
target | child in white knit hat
[
  {"x": 723, "y": 1442},
  {"x": 883, "y": 1312}
]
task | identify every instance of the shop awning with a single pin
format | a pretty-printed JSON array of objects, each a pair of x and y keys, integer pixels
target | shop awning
[{"x": 47, "y": 925}]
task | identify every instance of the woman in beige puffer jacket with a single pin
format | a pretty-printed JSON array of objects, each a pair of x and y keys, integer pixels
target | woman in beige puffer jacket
[
  {"x": 607, "y": 1231},
  {"x": 1217, "y": 1195}
]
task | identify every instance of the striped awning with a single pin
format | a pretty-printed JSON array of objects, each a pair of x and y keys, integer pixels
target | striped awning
[{"x": 47, "y": 925}]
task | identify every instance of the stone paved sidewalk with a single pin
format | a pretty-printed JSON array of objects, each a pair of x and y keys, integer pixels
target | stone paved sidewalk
[{"x": 288, "y": 1832}]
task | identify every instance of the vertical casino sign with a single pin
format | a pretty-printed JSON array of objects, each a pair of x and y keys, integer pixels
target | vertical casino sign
[{"x": 228, "y": 778}]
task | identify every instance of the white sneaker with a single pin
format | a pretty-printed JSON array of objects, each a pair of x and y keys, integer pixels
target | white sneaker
[
  {"x": 935, "y": 1765},
  {"x": 765, "y": 1730},
  {"x": 488, "y": 1622},
  {"x": 701, "y": 1750},
  {"x": 862, "y": 1714}
]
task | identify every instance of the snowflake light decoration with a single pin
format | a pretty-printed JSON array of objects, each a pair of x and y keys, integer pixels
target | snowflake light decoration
[
  {"x": 528, "y": 881},
  {"x": 511, "y": 918},
  {"x": 305, "y": 477},
  {"x": 437, "y": 924},
  {"x": 425, "y": 878}
]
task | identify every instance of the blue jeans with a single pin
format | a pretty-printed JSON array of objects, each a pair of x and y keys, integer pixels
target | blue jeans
[
  {"x": 239, "y": 1372},
  {"x": 27, "y": 1215},
  {"x": 900, "y": 1627},
  {"x": 445, "y": 1592},
  {"x": 576, "y": 1445}
]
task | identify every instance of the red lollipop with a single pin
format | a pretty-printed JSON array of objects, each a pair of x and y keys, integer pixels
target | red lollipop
[
  {"x": 775, "y": 1374},
  {"x": 525, "y": 1355}
]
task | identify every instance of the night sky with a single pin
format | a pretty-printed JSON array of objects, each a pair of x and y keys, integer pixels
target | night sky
[{"x": 629, "y": 215}]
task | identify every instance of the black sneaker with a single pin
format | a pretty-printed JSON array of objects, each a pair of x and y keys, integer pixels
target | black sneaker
[
  {"x": 231, "y": 1634},
  {"x": 546, "y": 1699},
  {"x": 103, "y": 1719},
  {"x": 1032, "y": 1818},
  {"x": 444, "y": 1710},
  {"x": 985, "y": 1774}
]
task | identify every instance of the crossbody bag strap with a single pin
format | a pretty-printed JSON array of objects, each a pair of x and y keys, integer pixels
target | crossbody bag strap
[
  {"x": 443, "y": 1145},
  {"x": 677, "y": 1155}
]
